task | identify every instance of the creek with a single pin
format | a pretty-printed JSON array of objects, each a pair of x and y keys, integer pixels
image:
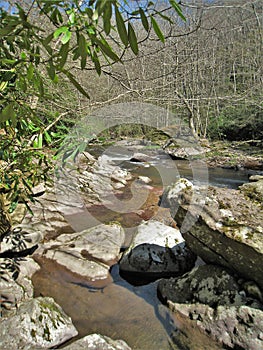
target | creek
[{"x": 115, "y": 307}]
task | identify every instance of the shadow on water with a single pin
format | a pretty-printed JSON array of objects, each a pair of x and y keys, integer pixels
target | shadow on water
[{"x": 111, "y": 307}]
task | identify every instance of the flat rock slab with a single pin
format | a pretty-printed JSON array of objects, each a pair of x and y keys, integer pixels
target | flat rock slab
[
  {"x": 224, "y": 227},
  {"x": 89, "y": 253},
  {"x": 39, "y": 323},
  {"x": 97, "y": 342},
  {"x": 157, "y": 250}
]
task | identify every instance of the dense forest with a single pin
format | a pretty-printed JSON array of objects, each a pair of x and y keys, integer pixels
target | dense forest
[{"x": 201, "y": 60}]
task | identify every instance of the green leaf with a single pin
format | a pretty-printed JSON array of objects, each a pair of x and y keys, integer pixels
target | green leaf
[
  {"x": 8, "y": 61},
  {"x": 82, "y": 46},
  {"x": 121, "y": 27},
  {"x": 51, "y": 71},
  {"x": 95, "y": 15},
  {"x": 75, "y": 83},
  {"x": 132, "y": 39},
  {"x": 46, "y": 42},
  {"x": 72, "y": 17},
  {"x": 30, "y": 71},
  {"x": 144, "y": 20},
  {"x": 157, "y": 29},
  {"x": 21, "y": 13},
  {"x": 7, "y": 113},
  {"x": 3, "y": 85},
  {"x": 48, "y": 39},
  {"x": 59, "y": 31},
  {"x": 107, "y": 18},
  {"x": 96, "y": 61},
  {"x": 38, "y": 143},
  {"x": 40, "y": 84},
  {"x": 63, "y": 53},
  {"x": 8, "y": 75},
  {"x": 47, "y": 137},
  {"x": 23, "y": 56},
  {"x": 66, "y": 34},
  {"x": 37, "y": 56},
  {"x": 107, "y": 50},
  {"x": 21, "y": 83},
  {"x": 66, "y": 37},
  {"x": 82, "y": 50},
  {"x": 7, "y": 30},
  {"x": 177, "y": 9}
]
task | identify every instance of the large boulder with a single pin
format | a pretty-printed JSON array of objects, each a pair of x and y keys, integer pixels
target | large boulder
[
  {"x": 157, "y": 250},
  {"x": 217, "y": 304},
  {"x": 208, "y": 284},
  {"x": 97, "y": 341},
  {"x": 89, "y": 253},
  {"x": 220, "y": 225},
  {"x": 39, "y": 323}
]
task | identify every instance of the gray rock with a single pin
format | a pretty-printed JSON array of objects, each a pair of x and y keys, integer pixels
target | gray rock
[
  {"x": 140, "y": 157},
  {"x": 157, "y": 250},
  {"x": 207, "y": 284},
  {"x": 254, "y": 189},
  {"x": 46, "y": 217},
  {"x": 235, "y": 327},
  {"x": 37, "y": 323},
  {"x": 89, "y": 253},
  {"x": 15, "y": 283},
  {"x": 223, "y": 227},
  {"x": 22, "y": 238},
  {"x": 79, "y": 185},
  {"x": 144, "y": 179},
  {"x": 97, "y": 342}
]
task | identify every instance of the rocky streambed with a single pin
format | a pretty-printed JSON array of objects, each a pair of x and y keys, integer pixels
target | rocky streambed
[{"x": 210, "y": 256}]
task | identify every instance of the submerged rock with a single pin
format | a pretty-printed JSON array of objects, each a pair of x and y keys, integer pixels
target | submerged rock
[
  {"x": 221, "y": 226},
  {"x": 217, "y": 304},
  {"x": 157, "y": 250},
  {"x": 39, "y": 323},
  {"x": 234, "y": 327},
  {"x": 97, "y": 341}
]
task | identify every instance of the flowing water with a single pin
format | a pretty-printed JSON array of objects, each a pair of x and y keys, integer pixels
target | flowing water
[{"x": 114, "y": 307}]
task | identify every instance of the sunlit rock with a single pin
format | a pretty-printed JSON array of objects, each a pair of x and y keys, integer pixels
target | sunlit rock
[
  {"x": 157, "y": 250},
  {"x": 89, "y": 253},
  {"x": 39, "y": 323},
  {"x": 222, "y": 226},
  {"x": 97, "y": 341}
]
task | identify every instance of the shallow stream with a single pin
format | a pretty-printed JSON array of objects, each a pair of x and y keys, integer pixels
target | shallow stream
[{"x": 114, "y": 307}]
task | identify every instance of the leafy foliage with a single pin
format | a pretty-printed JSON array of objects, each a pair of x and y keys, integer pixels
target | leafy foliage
[
  {"x": 238, "y": 123},
  {"x": 85, "y": 34}
]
